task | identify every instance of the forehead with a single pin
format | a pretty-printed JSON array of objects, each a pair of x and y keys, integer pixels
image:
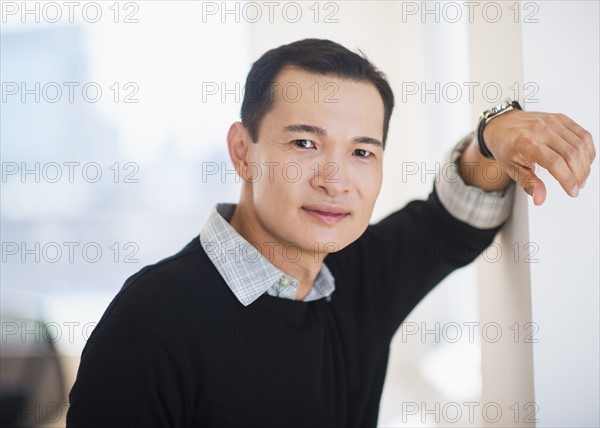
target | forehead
[{"x": 331, "y": 102}]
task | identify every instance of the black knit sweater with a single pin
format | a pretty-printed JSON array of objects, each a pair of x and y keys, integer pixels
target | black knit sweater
[{"x": 175, "y": 348}]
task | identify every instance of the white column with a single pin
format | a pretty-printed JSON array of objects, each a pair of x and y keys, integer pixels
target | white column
[{"x": 504, "y": 285}]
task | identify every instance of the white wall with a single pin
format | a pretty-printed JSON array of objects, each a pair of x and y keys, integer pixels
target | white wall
[{"x": 561, "y": 54}]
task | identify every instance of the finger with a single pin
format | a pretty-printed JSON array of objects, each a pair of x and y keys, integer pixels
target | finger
[
  {"x": 556, "y": 165},
  {"x": 580, "y": 139},
  {"x": 573, "y": 150},
  {"x": 582, "y": 134},
  {"x": 539, "y": 193},
  {"x": 525, "y": 176}
]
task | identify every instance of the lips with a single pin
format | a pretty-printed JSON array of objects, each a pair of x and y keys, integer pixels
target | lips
[{"x": 328, "y": 214}]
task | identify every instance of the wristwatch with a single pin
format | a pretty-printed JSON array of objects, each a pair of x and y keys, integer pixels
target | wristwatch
[{"x": 486, "y": 116}]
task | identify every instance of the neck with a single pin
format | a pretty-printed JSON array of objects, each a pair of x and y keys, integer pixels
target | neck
[{"x": 302, "y": 264}]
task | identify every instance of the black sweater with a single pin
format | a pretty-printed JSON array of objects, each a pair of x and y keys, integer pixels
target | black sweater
[{"x": 175, "y": 348}]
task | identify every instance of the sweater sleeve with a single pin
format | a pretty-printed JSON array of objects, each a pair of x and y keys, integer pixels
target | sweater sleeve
[{"x": 126, "y": 378}]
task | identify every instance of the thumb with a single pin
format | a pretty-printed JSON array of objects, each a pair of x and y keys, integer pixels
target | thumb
[{"x": 532, "y": 185}]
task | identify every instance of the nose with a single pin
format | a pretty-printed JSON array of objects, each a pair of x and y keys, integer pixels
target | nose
[{"x": 330, "y": 176}]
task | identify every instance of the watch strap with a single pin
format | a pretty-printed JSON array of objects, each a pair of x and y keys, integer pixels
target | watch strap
[{"x": 507, "y": 105}]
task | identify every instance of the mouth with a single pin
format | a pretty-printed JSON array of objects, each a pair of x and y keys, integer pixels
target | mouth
[{"x": 326, "y": 214}]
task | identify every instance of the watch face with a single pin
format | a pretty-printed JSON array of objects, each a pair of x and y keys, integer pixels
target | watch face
[
  {"x": 500, "y": 108},
  {"x": 503, "y": 106}
]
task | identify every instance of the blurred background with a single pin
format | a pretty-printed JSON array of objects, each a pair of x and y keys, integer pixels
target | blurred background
[{"x": 113, "y": 124}]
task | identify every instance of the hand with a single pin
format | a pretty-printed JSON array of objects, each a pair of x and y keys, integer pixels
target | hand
[{"x": 519, "y": 140}]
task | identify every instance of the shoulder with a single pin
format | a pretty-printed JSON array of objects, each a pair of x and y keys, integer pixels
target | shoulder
[
  {"x": 176, "y": 268},
  {"x": 163, "y": 292}
]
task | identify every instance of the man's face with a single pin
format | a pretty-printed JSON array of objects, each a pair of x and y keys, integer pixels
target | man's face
[{"x": 317, "y": 162}]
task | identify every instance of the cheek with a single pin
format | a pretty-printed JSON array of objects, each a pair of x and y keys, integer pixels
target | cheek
[
  {"x": 279, "y": 187},
  {"x": 369, "y": 182},
  {"x": 368, "y": 189}
]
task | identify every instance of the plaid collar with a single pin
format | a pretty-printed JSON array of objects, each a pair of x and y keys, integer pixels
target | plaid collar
[{"x": 245, "y": 270}]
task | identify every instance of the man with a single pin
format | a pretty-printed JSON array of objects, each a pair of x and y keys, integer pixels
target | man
[{"x": 281, "y": 312}]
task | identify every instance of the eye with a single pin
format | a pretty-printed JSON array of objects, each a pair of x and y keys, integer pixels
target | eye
[
  {"x": 363, "y": 153},
  {"x": 304, "y": 144}
]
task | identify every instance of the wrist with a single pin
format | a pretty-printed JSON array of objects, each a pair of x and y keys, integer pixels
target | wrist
[
  {"x": 478, "y": 171},
  {"x": 483, "y": 137}
]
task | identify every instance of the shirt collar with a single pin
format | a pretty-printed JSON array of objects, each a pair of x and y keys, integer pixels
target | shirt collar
[{"x": 245, "y": 270}]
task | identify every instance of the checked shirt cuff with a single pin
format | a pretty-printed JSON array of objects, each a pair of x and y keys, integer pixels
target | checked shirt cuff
[{"x": 469, "y": 204}]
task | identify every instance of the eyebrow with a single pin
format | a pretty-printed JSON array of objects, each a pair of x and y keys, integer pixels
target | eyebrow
[
  {"x": 311, "y": 129},
  {"x": 317, "y": 130}
]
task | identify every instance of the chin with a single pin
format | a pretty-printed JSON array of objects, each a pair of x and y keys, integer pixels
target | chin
[{"x": 328, "y": 241}]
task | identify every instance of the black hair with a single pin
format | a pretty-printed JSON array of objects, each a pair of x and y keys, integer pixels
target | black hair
[{"x": 317, "y": 56}]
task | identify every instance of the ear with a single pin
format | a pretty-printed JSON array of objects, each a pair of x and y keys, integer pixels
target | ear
[{"x": 238, "y": 144}]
